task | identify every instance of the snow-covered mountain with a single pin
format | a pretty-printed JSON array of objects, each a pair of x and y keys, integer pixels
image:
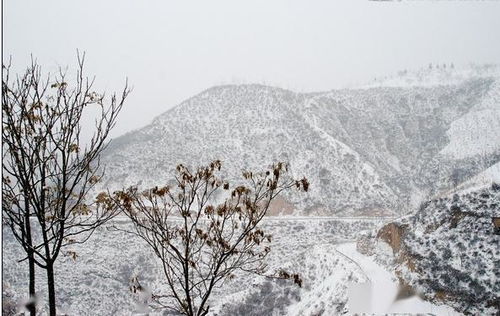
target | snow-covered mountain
[{"x": 365, "y": 151}]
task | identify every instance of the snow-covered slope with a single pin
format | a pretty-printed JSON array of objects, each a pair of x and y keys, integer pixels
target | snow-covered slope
[
  {"x": 484, "y": 179},
  {"x": 249, "y": 127},
  {"x": 478, "y": 131},
  {"x": 364, "y": 151},
  {"x": 383, "y": 290},
  {"x": 448, "y": 251},
  {"x": 97, "y": 281}
]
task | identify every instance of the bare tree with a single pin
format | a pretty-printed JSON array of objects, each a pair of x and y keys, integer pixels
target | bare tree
[
  {"x": 48, "y": 169},
  {"x": 202, "y": 243}
]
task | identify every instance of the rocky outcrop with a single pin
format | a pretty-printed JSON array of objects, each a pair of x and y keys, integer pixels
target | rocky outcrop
[
  {"x": 280, "y": 206},
  {"x": 393, "y": 235}
]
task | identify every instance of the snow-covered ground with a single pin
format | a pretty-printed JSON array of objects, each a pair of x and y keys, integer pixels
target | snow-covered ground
[
  {"x": 382, "y": 288},
  {"x": 321, "y": 250}
]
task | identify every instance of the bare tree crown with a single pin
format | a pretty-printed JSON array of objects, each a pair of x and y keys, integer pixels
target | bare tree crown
[
  {"x": 48, "y": 169},
  {"x": 200, "y": 242}
]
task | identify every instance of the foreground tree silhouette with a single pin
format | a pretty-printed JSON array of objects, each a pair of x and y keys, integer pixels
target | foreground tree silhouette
[
  {"x": 201, "y": 244},
  {"x": 47, "y": 168}
]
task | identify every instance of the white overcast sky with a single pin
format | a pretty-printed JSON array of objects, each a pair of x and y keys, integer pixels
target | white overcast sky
[{"x": 171, "y": 50}]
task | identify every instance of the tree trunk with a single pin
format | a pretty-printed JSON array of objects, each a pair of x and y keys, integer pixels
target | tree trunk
[
  {"x": 31, "y": 305},
  {"x": 51, "y": 288},
  {"x": 31, "y": 261}
]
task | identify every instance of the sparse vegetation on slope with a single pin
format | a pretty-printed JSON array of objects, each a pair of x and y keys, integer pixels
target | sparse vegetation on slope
[
  {"x": 365, "y": 151},
  {"x": 448, "y": 251}
]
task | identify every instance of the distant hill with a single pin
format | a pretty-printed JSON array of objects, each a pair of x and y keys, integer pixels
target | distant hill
[{"x": 435, "y": 74}]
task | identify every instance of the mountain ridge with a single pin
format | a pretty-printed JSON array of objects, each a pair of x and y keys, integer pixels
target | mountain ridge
[{"x": 366, "y": 150}]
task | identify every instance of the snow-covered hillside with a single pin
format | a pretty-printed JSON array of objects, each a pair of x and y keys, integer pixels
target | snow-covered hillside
[
  {"x": 375, "y": 150},
  {"x": 97, "y": 281},
  {"x": 477, "y": 132},
  {"x": 321, "y": 250},
  {"x": 448, "y": 251}
]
